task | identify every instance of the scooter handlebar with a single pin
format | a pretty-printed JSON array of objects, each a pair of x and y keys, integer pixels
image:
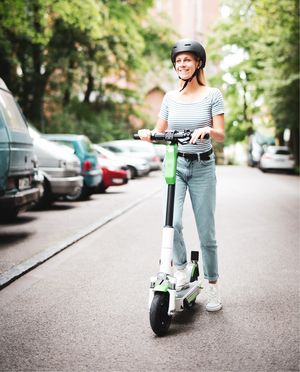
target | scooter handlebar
[{"x": 170, "y": 135}]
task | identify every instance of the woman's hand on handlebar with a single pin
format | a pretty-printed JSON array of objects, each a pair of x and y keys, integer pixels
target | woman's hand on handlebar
[
  {"x": 199, "y": 134},
  {"x": 145, "y": 134}
]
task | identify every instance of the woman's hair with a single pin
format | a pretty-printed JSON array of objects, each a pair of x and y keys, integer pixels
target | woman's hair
[{"x": 201, "y": 77}]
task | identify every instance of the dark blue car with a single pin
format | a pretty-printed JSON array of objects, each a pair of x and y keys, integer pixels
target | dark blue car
[{"x": 18, "y": 190}]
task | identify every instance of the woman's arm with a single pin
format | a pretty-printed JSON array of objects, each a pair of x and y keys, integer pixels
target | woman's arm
[
  {"x": 161, "y": 126},
  {"x": 216, "y": 132}
]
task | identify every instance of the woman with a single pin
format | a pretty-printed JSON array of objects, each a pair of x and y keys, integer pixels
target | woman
[{"x": 199, "y": 108}]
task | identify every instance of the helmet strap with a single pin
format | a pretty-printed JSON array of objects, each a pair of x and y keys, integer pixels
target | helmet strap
[{"x": 186, "y": 81}]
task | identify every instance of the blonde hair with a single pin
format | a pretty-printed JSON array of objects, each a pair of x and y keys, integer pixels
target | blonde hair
[{"x": 201, "y": 77}]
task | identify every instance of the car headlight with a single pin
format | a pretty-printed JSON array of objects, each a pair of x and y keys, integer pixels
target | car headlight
[{"x": 113, "y": 168}]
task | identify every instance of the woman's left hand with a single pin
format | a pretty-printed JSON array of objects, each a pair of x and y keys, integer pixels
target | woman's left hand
[{"x": 199, "y": 134}]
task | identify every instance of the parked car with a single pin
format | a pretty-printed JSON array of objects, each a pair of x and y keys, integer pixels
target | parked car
[
  {"x": 90, "y": 169},
  {"x": 277, "y": 157},
  {"x": 18, "y": 188},
  {"x": 137, "y": 167},
  {"x": 160, "y": 150},
  {"x": 141, "y": 149},
  {"x": 256, "y": 144},
  {"x": 60, "y": 167},
  {"x": 115, "y": 173}
]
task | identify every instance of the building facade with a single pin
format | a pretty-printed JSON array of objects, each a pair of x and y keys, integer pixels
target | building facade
[{"x": 190, "y": 19}]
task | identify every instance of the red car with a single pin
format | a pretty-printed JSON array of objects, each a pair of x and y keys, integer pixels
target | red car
[{"x": 114, "y": 172}]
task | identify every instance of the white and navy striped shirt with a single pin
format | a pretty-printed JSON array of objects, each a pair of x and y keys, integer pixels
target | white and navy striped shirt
[{"x": 199, "y": 114}]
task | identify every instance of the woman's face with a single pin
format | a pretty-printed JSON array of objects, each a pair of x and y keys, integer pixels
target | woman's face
[{"x": 185, "y": 65}]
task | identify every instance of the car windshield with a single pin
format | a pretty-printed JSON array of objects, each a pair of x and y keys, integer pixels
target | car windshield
[
  {"x": 33, "y": 132},
  {"x": 115, "y": 149},
  {"x": 87, "y": 145},
  {"x": 66, "y": 143},
  {"x": 105, "y": 152},
  {"x": 10, "y": 110}
]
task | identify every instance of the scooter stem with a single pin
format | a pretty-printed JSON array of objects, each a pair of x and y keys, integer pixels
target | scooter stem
[
  {"x": 170, "y": 206},
  {"x": 167, "y": 250}
]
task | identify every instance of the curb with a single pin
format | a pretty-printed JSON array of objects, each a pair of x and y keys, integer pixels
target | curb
[{"x": 21, "y": 269}]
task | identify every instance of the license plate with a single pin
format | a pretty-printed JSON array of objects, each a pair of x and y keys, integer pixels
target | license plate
[
  {"x": 24, "y": 183},
  {"x": 118, "y": 180}
]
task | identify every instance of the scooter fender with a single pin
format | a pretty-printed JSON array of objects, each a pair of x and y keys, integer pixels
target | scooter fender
[
  {"x": 164, "y": 287},
  {"x": 172, "y": 301}
]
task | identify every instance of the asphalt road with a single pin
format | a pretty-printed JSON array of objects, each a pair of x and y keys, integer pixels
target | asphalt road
[
  {"x": 38, "y": 235},
  {"x": 86, "y": 308}
]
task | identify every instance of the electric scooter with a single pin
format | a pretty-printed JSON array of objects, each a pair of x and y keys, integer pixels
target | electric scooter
[{"x": 164, "y": 299}]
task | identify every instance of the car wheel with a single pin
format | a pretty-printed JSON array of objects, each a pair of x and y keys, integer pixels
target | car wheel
[
  {"x": 47, "y": 198},
  {"x": 131, "y": 172},
  {"x": 10, "y": 215},
  {"x": 102, "y": 188},
  {"x": 75, "y": 196}
]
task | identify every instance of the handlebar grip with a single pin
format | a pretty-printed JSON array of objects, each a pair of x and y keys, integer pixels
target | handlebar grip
[{"x": 156, "y": 136}]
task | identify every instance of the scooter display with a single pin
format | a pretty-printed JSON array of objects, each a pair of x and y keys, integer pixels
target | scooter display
[{"x": 164, "y": 299}]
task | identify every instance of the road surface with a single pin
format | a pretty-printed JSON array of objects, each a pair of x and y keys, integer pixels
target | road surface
[{"x": 86, "y": 308}]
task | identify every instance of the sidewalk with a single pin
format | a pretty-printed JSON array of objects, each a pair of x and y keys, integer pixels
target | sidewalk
[{"x": 39, "y": 235}]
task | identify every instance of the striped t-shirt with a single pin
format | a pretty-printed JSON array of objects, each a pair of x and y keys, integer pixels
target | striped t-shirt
[{"x": 199, "y": 114}]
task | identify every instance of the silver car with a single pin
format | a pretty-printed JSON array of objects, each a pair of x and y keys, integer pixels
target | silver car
[
  {"x": 60, "y": 167},
  {"x": 141, "y": 149},
  {"x": 277, "y": 158},
  {"x": 137, "y": 166}
]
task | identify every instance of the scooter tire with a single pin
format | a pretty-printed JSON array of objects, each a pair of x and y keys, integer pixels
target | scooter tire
[{"x": 160, "y": 320}]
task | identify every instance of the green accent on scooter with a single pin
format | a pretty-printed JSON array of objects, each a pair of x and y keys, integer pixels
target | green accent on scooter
[
  {"x": 164, "y": 287},
  {"x": 192, "y": 297},
  {"x": 170, "y": 164}
]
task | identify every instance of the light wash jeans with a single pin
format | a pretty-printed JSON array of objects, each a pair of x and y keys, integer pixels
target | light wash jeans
[{"x": 200, "y": 179}]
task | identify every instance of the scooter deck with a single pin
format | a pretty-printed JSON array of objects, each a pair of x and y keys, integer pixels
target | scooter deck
[
  {"x": 187, "y": 296},
  {"x": 190, "y": 288}
]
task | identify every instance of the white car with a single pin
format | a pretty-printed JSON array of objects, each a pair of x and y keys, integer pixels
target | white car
[
  {"x": 277, "y": 157},
  {"x": 137, "y": 166},
  {"x": 140, "y": 149}
]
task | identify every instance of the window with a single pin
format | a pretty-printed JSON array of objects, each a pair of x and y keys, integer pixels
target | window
[{"x": 11, "y": 112}]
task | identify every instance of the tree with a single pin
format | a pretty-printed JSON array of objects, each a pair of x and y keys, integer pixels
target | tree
[
  {"x": 264, "y": 84},
  {"x": 67, "y": 54}
]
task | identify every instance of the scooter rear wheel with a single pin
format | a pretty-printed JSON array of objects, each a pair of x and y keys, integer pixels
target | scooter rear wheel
[{"x": 160, "y": 320}]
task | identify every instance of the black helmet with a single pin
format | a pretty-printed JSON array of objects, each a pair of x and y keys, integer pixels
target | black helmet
[{"x": 189, "y": 45}]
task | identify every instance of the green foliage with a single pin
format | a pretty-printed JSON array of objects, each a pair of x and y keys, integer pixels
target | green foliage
[
  {"x": 262, "y": 88},
  {"x": 98, "y": 123},
  {"x": 70, "y": 62}
]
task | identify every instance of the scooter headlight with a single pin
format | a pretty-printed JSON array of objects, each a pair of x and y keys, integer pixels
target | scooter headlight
[{"x": 161, "y": 276}]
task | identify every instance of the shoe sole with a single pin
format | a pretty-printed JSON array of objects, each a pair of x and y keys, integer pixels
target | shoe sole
[{"x": 217, "y": 308}]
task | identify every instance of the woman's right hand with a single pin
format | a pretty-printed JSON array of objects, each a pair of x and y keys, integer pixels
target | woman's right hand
[{"x": 145, "y": 134}]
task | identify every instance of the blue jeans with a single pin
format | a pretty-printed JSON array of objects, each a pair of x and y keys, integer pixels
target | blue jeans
[{"x": 200, "y": 179}]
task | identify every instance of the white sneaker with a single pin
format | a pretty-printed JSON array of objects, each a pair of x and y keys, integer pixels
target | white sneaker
[
  {"x": 214, "y": 300},
  {"x": 182, "y": 279}
]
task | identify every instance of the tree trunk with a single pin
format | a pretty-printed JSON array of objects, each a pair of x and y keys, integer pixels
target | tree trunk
[
  {"x": 90, "y": 87},
  {"x": 295, "y": 144}
]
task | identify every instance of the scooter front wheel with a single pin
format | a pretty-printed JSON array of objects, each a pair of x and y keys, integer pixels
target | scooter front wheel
[{"x": 160, "y": 320}]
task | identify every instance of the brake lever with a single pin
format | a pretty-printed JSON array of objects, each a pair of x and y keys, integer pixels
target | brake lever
[{"x": 186, "y": 141}]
